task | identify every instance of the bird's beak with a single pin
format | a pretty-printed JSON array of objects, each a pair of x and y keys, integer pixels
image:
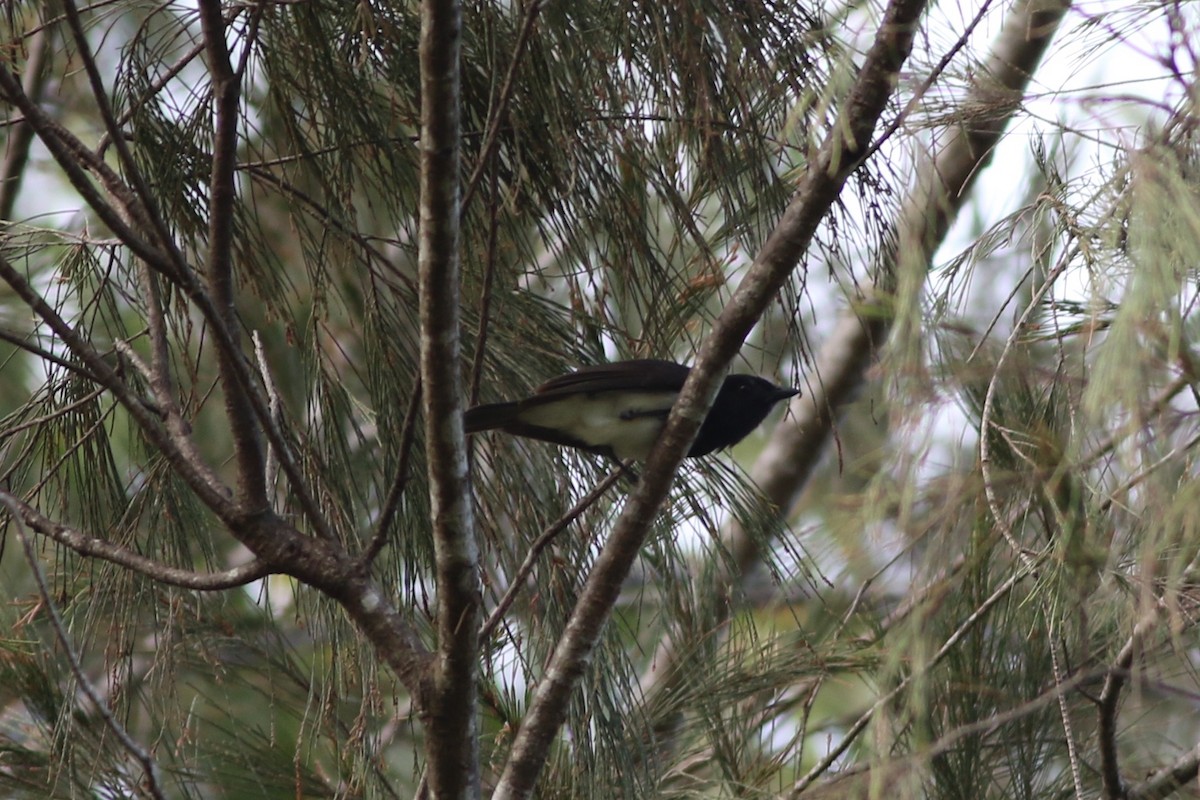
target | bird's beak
[{"x": 784, "y": 392}]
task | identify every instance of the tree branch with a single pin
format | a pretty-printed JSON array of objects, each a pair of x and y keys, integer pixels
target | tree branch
[
  {"x": 1168, "y": 780},
  {"x": 144, "y": 209},
  {"x": 451, "y": 713},
  {"x": 92, "y": 546},
  {"x": 849, "y": 137},
  {"x": 798, "y": 441},
  {"x": 70, "y": 154},
  {"x": 1108, "y": 705},
  {"x": 20, "y": 135},
  {"x": 408, "y": 433},
  {"x": 325, "y": 566},
  {"x": 73, "y": 157},
  {"x": 277, "y": 545},
  {"x": 239, "y": 408}
]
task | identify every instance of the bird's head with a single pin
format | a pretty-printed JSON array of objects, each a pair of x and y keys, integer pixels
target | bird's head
[
  {"x": 755, "y": 393},
  {"x": 741, "y": 405}
]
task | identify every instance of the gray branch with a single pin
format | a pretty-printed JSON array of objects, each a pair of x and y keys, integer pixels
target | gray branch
[
  {"x": 451, "y": 713},
  {"x": 849, "y": 138}
]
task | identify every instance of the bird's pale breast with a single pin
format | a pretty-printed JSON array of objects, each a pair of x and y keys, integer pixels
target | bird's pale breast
[{"x": 628, "y": 422}]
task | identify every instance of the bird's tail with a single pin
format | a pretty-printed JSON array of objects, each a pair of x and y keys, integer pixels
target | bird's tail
[{"x": 489, "y": 417}]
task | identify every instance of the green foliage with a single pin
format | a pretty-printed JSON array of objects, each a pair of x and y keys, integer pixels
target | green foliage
[{"x": 1010, "y": 494}]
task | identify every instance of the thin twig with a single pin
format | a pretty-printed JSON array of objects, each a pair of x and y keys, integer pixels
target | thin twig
[
  {"x": 71, "y": 156},
  {"x": 1064, "y": 709},
  {"x": 159, "y": 375},
  {"x": 94, "y": 547},
  {"x": 20, "y": 136},
  {"x": 61, "y": 411},
  {"x": 298, "y": 197},
  {"x": 273, "y": 403},
  {"x": 882, "y": 773},
  {"x": 890, "y": 129},
  {"x": 408, "y": 434},
  {"x": 915, "y": 599},
  {"x": 1108, "y": 704},
  {"x": 239, "y": 407},
  {"x": 151, "y": 782},
  {"x": 165, "y": 76},
  {"x": 21, "y": 341},
  {"x": 143, "y": 209},
  {"x": 499, "y": 111},
  {"x": 495, "y": 122},
  {"x": 539, "y": 544},
  {"x": 989, "y": 400},
  {"x": 860, "y": 725}
]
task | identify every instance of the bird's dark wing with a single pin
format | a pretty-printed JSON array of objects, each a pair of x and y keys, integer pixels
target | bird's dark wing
[{"x": 638, "y": 375}]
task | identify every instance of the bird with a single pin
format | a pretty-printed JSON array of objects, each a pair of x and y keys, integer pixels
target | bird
[{"x": 619, "y": 409}]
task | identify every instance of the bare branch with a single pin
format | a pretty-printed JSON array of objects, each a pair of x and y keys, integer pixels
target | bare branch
[
  {"x": 92, "y": 546},
  {"x": 239, "y": 407},
  {"x": 1168, "y": 780},
  {"x": 1109, "y": 702},
  {"x": 280, "y": 548},
  {"x": 408, "y": 433},
  {"x": 451, "y": 711},
  {"x": 20, "y": 136}
]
